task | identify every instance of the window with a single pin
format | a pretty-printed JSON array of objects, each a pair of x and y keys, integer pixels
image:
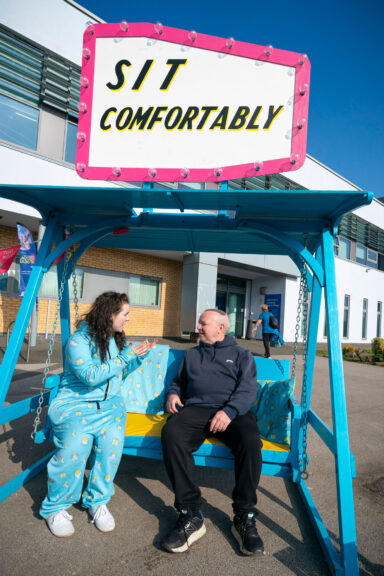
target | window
[
  {"x": 70, "y": 143},
  {"x": 32, "y": 77},
  {"x": 364, "y": 319},
  {"x": 343, "y": 248},
  {"x": 346, "y": 316},
  {"x": 18, "y": 123},
  {"x": 371, "y": 258},
  {"x": 10, "y": 282},
  {"x": 361, "y": 254},
  {"x": 49, "y": 284},
  {"x": 144, "y": 291},
  {"x": 378, "y": 322}
]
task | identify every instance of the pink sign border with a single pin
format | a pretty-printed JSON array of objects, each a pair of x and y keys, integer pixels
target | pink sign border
[{"x": 217, "y": 44}]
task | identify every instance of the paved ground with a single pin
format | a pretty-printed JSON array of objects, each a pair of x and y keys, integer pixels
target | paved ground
[{"x": 143, "y": 509}]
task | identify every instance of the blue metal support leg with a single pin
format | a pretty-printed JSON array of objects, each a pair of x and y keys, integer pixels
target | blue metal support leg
[
  {"x": 65, "y": 313},
  {"x": 348, "y": 545}
]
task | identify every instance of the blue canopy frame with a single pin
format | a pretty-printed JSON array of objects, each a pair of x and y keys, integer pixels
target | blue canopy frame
[{"x": 297, "y": 223}]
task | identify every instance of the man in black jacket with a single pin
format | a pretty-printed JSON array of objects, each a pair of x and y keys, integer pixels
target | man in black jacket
[{"x": 212, "y": 396}]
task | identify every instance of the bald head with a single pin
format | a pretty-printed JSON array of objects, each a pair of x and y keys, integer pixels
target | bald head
[{"x": 213, "y": 326}]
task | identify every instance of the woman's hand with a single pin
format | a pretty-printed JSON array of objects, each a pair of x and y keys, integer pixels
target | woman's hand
[{"x": 143, "y": 347}]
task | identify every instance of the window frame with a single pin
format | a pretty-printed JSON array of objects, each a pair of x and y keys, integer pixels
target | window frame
[
  {"x": 364, "y": 320},
  {"x": 156, "y": 279},
  {"x": 379, "y": 318},
  {"x": 346, "y": 315}
]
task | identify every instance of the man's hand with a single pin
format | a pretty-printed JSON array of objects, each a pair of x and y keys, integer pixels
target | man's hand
[
  {"x": 219, "y": 422},
  {"x": 172, "y": 403},
  {"x": 143, "y": 347}
]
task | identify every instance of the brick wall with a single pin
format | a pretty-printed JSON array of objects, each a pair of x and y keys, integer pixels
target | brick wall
[{"x": 164, "y": 321}]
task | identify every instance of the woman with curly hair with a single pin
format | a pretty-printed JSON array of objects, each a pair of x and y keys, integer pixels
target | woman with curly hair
[{"x": 89, "y": 413}]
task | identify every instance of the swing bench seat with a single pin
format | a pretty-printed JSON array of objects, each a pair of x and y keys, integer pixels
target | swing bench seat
[{"x": 276, "y": 403}]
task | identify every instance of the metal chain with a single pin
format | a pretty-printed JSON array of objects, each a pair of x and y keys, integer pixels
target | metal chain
[
  {"x": 75, "y": 296},
  {"x": 304, "y": 473},
  {"x": 37, "y": 420},
  {"x": 297, "y": 327}
]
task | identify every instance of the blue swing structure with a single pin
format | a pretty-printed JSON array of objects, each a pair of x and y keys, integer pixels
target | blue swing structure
[{"x": 300, "y": 224}]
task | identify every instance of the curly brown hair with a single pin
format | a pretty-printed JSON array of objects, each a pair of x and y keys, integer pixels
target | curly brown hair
[{"x": 100, "y": 324}]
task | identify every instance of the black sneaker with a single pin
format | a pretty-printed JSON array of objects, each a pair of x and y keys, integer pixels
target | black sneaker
[
  {"x": 245, "y": 532},
  {"x": 188, "y": 528}
]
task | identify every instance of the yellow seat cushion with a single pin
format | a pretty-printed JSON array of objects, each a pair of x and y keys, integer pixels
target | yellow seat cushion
[{"x": 151, "y": 425}]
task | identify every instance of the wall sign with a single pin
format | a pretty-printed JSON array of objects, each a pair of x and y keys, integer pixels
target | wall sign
[{"x": 163, "y": 104}]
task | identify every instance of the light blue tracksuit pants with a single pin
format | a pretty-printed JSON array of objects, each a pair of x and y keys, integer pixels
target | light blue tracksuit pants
[{"x": 78, "y": 427}]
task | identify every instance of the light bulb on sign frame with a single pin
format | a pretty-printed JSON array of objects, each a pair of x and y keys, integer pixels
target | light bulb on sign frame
[
  {"x": 303, "y": 58},
  {"x": 84, "y": 82},
  {"x": 159, "y": 28},
  {"x": 124, "y": 26},
  {"x": 301, "y": 123},
  {"x": 86, "y": 53},
  {"x": 90, "y": 27}
]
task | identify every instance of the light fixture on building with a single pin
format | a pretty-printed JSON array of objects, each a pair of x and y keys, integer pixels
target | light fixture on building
[
  {"x": 192, "y": 35},
  {"x": 230, "y": 42},
  {"x": 263, "y": 289},
  {"x": 268, "y": 50},
  {"x": 124, "y": 26},
  {"x": 258, "y": 166}
]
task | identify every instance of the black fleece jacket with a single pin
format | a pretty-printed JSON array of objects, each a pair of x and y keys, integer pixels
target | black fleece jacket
[{"x": 221, "y": 375}]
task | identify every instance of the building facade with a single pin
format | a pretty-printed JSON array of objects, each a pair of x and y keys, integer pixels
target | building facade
[{"x": 39, "y": 93}]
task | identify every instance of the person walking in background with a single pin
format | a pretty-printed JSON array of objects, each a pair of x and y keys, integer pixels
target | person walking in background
[{"x": 267, "y": 330}]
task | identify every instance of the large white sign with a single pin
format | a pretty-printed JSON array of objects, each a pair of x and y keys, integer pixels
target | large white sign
[{"x": 169, "y": 105}]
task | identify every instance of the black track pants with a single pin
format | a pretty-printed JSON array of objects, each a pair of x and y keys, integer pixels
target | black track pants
[{"x": 186, "y": 431}]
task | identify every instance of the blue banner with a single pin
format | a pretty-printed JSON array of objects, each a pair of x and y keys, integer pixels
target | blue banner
[{"x": 27, "y": 256}]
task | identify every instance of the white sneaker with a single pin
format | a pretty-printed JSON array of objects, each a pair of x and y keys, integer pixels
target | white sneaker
[
  {"x": 60, "y": 524},
  {"x": 102, "y": 518}
]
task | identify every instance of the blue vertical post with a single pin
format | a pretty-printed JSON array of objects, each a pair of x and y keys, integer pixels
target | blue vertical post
[
  {"x": 27, "y": 303},
  {"x": 65, "y": 312},
  {"x": 348, "y": 545}
]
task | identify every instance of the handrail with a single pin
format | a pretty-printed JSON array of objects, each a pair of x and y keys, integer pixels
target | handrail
[{"x": 27, "y": 340}]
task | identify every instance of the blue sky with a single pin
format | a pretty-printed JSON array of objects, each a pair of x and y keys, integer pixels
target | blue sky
[{"x": 344, "y": 40}]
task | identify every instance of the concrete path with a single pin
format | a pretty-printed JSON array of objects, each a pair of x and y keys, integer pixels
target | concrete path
[{"x": 143, "y": 510}]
